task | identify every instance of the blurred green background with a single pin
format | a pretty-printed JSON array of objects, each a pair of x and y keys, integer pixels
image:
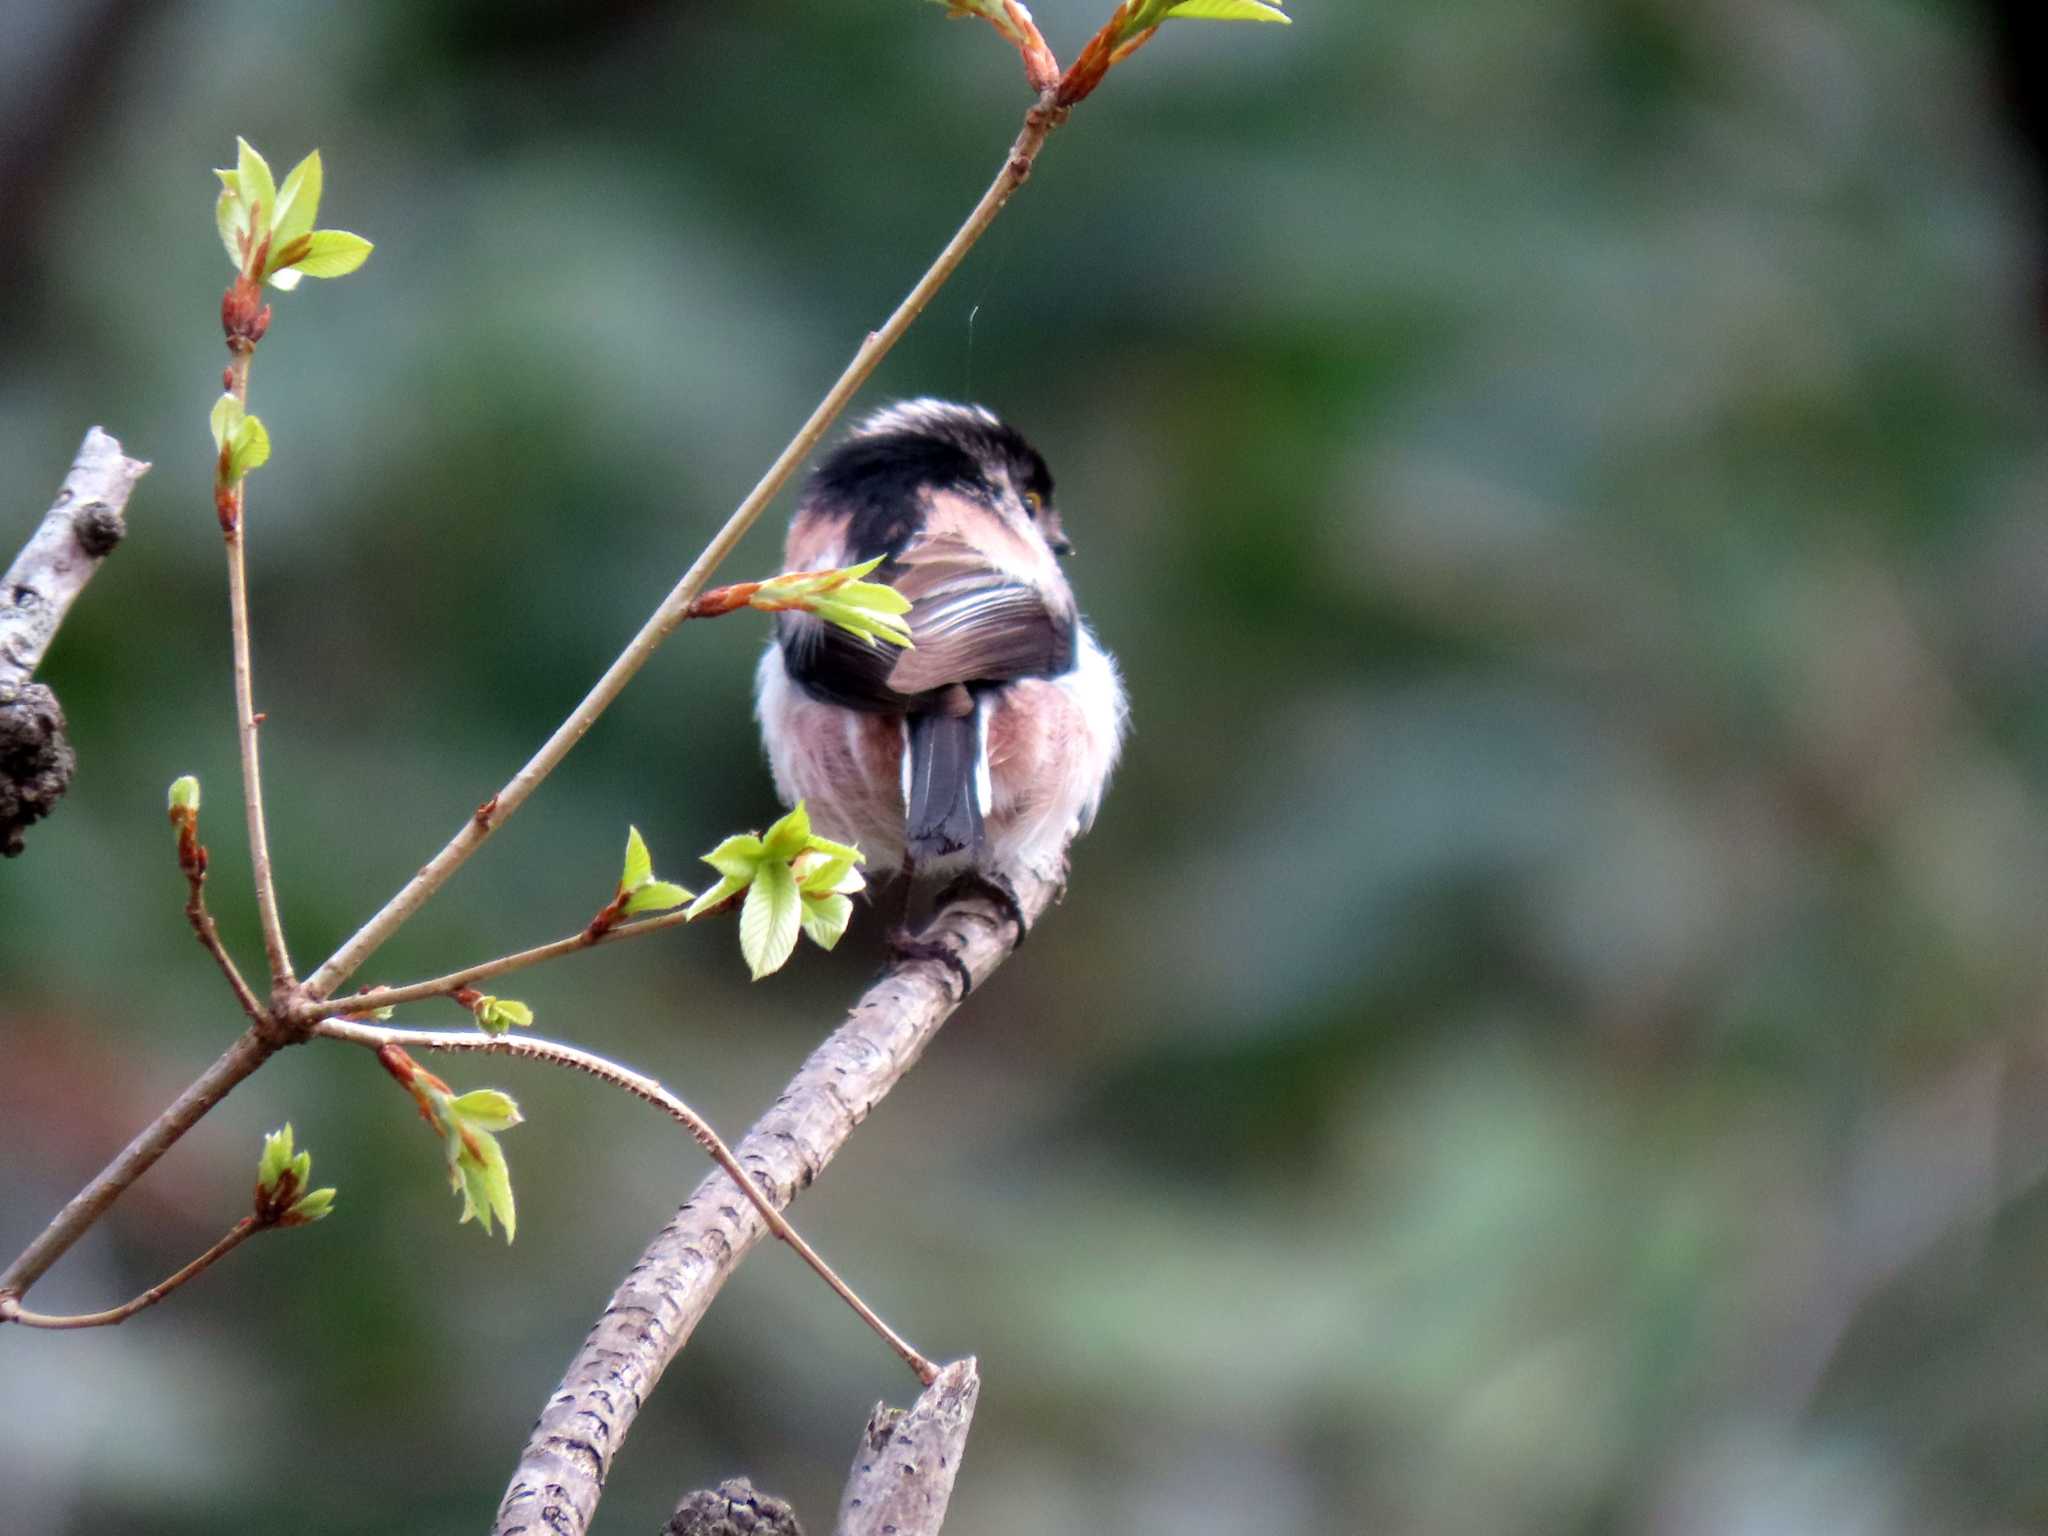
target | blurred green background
[{"x": 1547, "y": 1035}]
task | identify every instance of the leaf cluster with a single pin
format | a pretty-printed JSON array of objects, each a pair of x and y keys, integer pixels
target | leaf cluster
[
  {"x": 268, "y": 230},
  {"x": 281, "y": 1176},
  {"x": 794, "y": 882},
  {"x": 871, "y": 610}
]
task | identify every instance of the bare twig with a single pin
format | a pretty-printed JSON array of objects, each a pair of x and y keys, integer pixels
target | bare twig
[
  {"x": 89, "y": 1204},
  {"x": 1043, "y": 117},
  {"x": 370, "y": 999},
  {"x": 60, "y": 557},
  {"x": 234, "y": 533},
  {"x": 12, "y": 1311},
  {"x": 192, "y": 860},
  {"x": 552, "y": 1052},
  {"x": 651, "y": 1315},
  {"x": 908, "y": 1457}
]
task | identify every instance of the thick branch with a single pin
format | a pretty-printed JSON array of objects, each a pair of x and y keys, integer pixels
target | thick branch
[
  {"x": 561, "y": 1474},
  {"x": 243, "y": 1057},
  {"x": 904, "y": 1469},
  {"x": 82, "y": 525},
  {"x": 1038, "y": 123}
]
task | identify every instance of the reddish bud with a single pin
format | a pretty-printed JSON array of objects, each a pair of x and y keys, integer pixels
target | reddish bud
[{"x": 244, "y": 317}]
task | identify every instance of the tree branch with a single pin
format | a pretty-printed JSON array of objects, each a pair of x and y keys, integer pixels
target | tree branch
[
  {"x": 1039, "y": 122},
  {"x": 12, "y": 1311},
  {"x": 247, "y": 722},
  {"x": 240, "y": 1059},
  {"x": 60, "y": 557},
  {"x": 192, "y": 860},
  {"x": 642, "y": 1087},
  {"x": 903, "y": 1471},
  {"x": 370, "y": 999},
  {"x": 651, "y": 1315}
]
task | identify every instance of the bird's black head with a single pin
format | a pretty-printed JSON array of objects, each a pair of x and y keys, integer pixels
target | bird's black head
[{"x": 876, "y": 474}]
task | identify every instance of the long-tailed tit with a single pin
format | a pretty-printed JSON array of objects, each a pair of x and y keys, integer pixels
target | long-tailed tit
[{"x": 985, "y": 749}]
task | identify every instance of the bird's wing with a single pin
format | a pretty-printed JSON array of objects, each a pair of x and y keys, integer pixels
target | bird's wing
[
  {"x": 970, "y": 622},
  {"x": 973, "y": 623}
]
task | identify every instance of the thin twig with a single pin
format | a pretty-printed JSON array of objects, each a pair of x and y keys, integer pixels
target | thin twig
[
  {"x": 12, "y": 1311},
  {"x": 552, "y": 1052},
  {"x": 1043, "y": 117},
  {"x": 192, "y": 860},
  {"x": 235, "y": 535},
  {"x": 209, "y": 935},
  {"x": 248, "y": 1053},
  {"x": 586, "y": 1419},
  {"x": 903, "y": 1471},
  {"x": 370, "y": 999},
  {"x": 60, "y": 557}
]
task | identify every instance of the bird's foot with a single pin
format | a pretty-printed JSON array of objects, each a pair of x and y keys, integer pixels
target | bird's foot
[
  {"x": 907, "y": 948},
  {"x": 996, "y": 889}
]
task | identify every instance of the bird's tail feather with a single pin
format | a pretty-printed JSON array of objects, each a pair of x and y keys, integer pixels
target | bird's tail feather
[{"x": 943, "y": 787}]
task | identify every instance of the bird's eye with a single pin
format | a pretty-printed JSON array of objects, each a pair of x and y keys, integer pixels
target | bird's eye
[{"x": 1035, "y": 502}]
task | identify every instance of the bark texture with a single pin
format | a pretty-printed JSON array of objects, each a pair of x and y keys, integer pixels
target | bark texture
[
  {"x": 82, "y": 525},
  {"x": 734, "y": 1508},
  {"x": 903, "y": 1472},
  {"x": 561, "y": 1473}
]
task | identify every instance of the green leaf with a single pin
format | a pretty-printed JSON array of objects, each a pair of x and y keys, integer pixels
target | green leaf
[
  {"x": 498, "y": 1014},
  {"x": 184, "y": 793},
  {"x": 786, "y": 839},
  {"x": 228, "y": 215},
  {"x": 1229, "y": 10},
  {"x": 825, "y": 919},
  {"x": 251, "y": 447},
  {"x": 824, "y": 874},
  {"x": 655, "y": 896},
  {"x": 298, "y": 202},
  {"x": 639, "y": 868},
  {"x": 820, "y": 873},
  {"x": 770, "y": 919},
  {"x": 333, "y": 253},
  {"x": 309, "y": 1208},
  {"x": 728, "y": 886},
  {"x": 736, "y": 857},
  {"x": 224, "y": 418},
  {"x": 275, "y": 1158},
  {"x": 487, "y": 1109},
  {"x": 491, "y": 1190},
  {"x": 877, "y": 595},
  {"x": 259, "y": 192},
  {"x": 825, "y": 845},
  {"x": 862, "y": 622}
]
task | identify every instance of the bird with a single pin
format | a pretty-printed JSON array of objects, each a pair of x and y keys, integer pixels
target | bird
[{"x": 983, "y": 750}]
